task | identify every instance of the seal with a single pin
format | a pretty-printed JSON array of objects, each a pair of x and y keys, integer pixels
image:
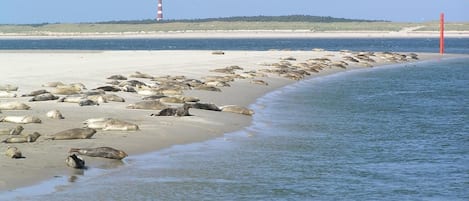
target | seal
[
  {"x": 260, "y": 82},
  {"x": 103, "y": 152},
  {"x": 88, "y": 102},
  {"x": 21, "y": 119},
  {"x": 109, "y": 88},
  {"x": 177, "y": 112},
  {"x": 95, "y": 123},
  {"x": 55, "y": 114},
  {"x": 75, "y": 161},
  {"x": 119, "y": 125},
  {"x": 237, "y": 109},
  {"x": 12, "y": 131},
  {"x": 206, "y": 106},
  {"x": 8, "y": 87},
  {"x": 73, "y": 134},
  {"x": 14, "y": 106},
  {"x": 35, "y": 93},
  {"x": 207, "y": 88},
  {"x": 109, "y": 124},
  {"x": 148, "y": 105},
  {"x": 13, "y": 152},
  {"x": 7, "y": 94},
  {"x": 117, "y": 77},
  {"x": 23, "y": 138},
  {"x": 44, "y": 97}
]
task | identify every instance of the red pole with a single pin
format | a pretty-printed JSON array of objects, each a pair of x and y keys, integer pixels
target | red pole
[
  {"x": 442, "y": 33},
  {"x": 160, "y": 10}
]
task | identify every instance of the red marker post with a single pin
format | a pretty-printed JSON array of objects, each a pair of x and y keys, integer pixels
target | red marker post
[{"x": 442, "y": 33}]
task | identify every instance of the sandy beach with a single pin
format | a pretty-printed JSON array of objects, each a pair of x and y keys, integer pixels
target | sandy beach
[{"x": 44, "y": 158}]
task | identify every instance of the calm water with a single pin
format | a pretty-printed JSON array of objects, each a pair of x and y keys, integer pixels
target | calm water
[
  {"x": 394, "y": 133},
  {"x": 453, "y": 45}
]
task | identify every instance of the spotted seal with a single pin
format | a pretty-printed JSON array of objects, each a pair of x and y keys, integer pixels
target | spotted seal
[
  {"x": 103, "y": 152},
  {"x": 73, "y": 134}
]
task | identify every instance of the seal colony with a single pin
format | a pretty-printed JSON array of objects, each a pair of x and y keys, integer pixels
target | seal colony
[{"x": 121, "y": 105}]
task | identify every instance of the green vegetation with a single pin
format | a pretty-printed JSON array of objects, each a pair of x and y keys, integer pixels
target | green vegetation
[{"x": 295, "y": 22}]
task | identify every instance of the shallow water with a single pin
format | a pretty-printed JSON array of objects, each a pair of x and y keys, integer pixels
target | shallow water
[
  {"x": 453, "y": 45},
  {"x": 394, "y": 133}
]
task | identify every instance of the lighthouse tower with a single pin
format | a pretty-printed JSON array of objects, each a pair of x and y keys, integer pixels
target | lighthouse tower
[{"x": 159, "y": 17}]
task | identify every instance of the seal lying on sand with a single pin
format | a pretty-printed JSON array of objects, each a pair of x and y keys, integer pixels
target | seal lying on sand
[
  {"x": 8, "y": 87},
  {"x": 55, "y": 114},
  {"x": 7, "y": 94},
  {"x": 13, "y": 152},
  {"x": 177, "y": 112},
  {"x": 35, "y": 93},
  {"x": 73, "y": 134},
  {"x": 237, "y": 109},
  {"x": 44, "y": 97},
  {"x": 103, "y": 152},
  {"x": 206, "y": 106},
  {"x": 14, "y": 106},
  {"x": 109, "y": 124},
  {"x": 12, "y": 131},
  {"x": 148, "y": 105},
  {"x": 22, "y": 138},
  {"x": 75, "y": 161},
  {"x": 20, "y": 119}
]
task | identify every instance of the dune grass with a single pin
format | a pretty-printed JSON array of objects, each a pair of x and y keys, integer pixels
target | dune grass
[{"x": 218, "y": 25}]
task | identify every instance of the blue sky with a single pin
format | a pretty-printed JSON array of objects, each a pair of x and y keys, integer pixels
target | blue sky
[{"x": 52, "y": 11}]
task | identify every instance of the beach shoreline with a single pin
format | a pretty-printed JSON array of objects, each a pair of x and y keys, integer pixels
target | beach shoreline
[
  {"x": 45, "y": 159},
  {"x": 235, "y": 34}
]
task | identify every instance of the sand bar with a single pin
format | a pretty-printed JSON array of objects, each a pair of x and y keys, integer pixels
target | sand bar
[
  {"x": 405, "y": 33},
  {"x": 45, "y": 158}
]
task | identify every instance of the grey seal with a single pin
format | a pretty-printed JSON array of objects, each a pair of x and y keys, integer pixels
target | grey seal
[
  {"x": 75, "y": 161},
  {"x": 177, "y": 112},
  {"x": 148, "y": 105},
  {"x": 23, "y": 138},
  {"x": 103, "y": 152},
  {"x": 73, "y": 134}
]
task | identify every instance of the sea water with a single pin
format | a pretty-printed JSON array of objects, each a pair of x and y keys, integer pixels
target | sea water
[{"x": 398, "y": 132}]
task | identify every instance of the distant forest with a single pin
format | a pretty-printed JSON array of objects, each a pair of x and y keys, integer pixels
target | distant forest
[{"x": 288, "y": 18}]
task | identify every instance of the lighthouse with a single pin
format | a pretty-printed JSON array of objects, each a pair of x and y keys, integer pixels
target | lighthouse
[{"x": 159, "y": 17}]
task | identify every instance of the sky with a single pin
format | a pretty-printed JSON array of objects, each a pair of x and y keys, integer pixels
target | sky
[{"x": 73, "y": 11}]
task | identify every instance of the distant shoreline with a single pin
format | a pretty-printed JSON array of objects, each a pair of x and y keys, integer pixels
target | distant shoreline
[{"x": 198, "y": 34}]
